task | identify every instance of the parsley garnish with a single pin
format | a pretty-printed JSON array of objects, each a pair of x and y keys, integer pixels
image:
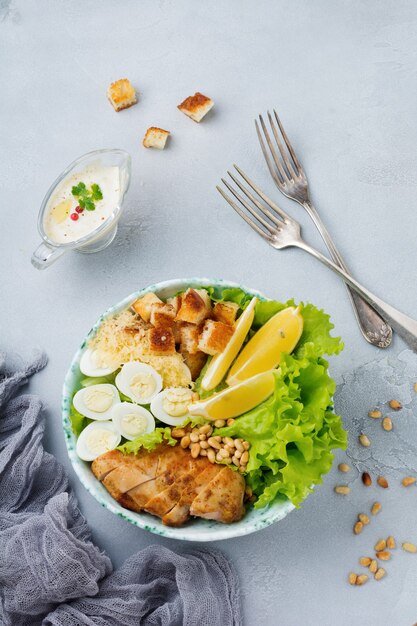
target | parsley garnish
[{"x": 87, "y": 197}]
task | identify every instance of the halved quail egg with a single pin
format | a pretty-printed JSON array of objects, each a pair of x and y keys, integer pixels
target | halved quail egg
[
  {"x": 93, "y": 363},
  {"x": 171, "y": 405},
  {"x": 139, "y": 382},
  {"x": 132, "y": 420},
  {"x": 96, "y": 401},
  {"x": 97, "y": 438}
]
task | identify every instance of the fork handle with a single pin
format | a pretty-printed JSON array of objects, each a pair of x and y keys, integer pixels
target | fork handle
[
  {"x": 373, "y": 327},
  {"x": 405, "y": 326}
]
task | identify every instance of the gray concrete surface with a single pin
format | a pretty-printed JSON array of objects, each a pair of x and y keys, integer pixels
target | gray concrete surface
[{"x": 343, "y": 77}]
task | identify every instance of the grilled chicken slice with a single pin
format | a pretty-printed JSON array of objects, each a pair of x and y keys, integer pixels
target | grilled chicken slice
[
  {"x": 132, "y": 471},
  {"x": 222, "y": 498},
  {"x": 106, "y": 463}
]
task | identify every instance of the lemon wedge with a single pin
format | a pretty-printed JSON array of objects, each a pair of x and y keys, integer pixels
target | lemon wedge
[
  {"x": 235, "y": 400},
  {"x": 220, "y": 363},
  {"x": 263, "y": 352}
]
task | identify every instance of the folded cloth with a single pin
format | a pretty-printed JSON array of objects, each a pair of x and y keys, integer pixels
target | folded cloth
[{"x": 50, "y": 571}]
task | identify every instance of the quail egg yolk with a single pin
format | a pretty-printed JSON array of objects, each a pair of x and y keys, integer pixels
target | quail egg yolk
[
  {"x": 101, "y": 440},
  {"x": 98, "y": 400},
  {"x": 134, "y": 425},
  {"x": 142, "y": 385},
  {"x": 176, "y": 401}
]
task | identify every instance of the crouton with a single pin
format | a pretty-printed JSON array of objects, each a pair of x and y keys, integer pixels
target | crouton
[
  {"x": 189, "y": 336},
  {"x": 176, "y": 329},
  {"x": 196, "y": 106},
  {"x": 195, "y": 306},
  {"x": 162, "y": 315},
  {"x": 161, "y": 341},
  {"x": 214, "y": 337},
  {"x": 122, "y": 94},
  {"x": 225, "y": 312},
  {"x": 155, "y": 138},
  {"x": 195, "y": 362},
  {"x": 175, "y": 301},
  {"x": 143, "y": 305}
]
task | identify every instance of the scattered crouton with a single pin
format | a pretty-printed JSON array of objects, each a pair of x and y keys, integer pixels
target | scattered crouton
[
  {"x": 195, "y": 306},
  {"x": 225, "y": 312},
  {"x": 143, "y": 305},
  {"x": 161, "y": 341},
  {"x": 189, "y": 337},
  {"x": 162, "y": 315},
  {"x": 214, "y": 337},
  {"x": 122, "y": 94},
  {"x": 196, "y": 106},
  {"x": 155, "y": 138},
  {"x": 175, "y": 301},
  {"x": 195, "y": 362}
]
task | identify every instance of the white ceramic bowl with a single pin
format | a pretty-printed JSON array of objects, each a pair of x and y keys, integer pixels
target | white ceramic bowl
[{"x": 195, "y": 530}]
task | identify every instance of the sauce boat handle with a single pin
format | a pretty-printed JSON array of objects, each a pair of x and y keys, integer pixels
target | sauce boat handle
[{"x": 45, "y": 255}]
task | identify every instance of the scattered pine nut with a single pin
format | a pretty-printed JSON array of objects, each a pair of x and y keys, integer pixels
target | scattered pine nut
[
  {"x": 358, "y": 527},
  {"x": 391, "y": 542},
  {"x": 383, "y": 555},
  {"x": 363, "y": 518},
  {"x": 415, "y": 387},
  {"x": 364, "y": 440},
  {"x": 409, "y": 547},
  {"x": 382, "y": 482},
  {"x": 380, "y": 573},
  {"x": 387, "y": 423},
  {"x": 365, "y": 561},
  {"x": 408, "y": 480},
  {"x": 376, "y": 507},
  {"x": 352, "y": 578},
  {"x": 380, "y": 545},
  {"x": 375, "y": 414},
  {"x": 362, "y": 579},
  {"x": 342, "y": 489},
  {"x": 373, "y": 566},
  {"x": 344, "y": 467},
  {"x": 366, "y": 479},
  {"x": 395, "y": 404}
]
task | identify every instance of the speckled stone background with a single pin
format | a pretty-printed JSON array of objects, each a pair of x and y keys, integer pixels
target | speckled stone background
[{"x": 343, "y": 75}]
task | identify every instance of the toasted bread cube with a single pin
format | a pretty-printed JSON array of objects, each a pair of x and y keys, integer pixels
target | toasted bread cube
[
  {"x": 225, "y": 312},
  {"x": 176, "y": 329},
  {"x": 143, "y": 305},
  {"x": 214, "y": 337},
  {"x": 155, "y": 138},
  {"x": 195, "y": 362},
  {"x": 189, "y": 337},
  {"x": 161, "y": 341},
  {"x": 195, "y": 306},
  {"x": 175, "y": 301},
  {"x": 162, "y": 314},
  {"x": 196, "y": 106},
  {"x": 122, "y": 94}
]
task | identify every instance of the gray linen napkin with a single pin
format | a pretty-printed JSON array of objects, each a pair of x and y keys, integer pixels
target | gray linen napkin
[{"x": 50, "y": 571}]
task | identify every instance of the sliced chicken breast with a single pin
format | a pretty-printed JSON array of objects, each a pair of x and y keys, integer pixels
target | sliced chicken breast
[
  {"x": 106, "y": 463},
  {"x": 222, "y": 498}
]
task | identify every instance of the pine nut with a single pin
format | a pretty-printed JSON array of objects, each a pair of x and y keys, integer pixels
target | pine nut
[
  {"x": 358, "y": 527},
  {"x": 365, "y": 561},
  {"x": 219, "y": 458},
  {"x": 218, "y": 438},
  {"x": 363, "y": 518},
  {"x": 194, "y": 437},
  {"x": 214, "y": 443},
  {"x": 382, "y": 482},
  {"x": 248, "y": 491},
  {"x": 195, "y": 450},
  {"x": 387, "y": 423},
  {"x": 366, "y": 479},
  {"x": 395, "y": 404},
  {"x": 375, "y": 414},
  {"x": 364, "y": 440},
  {"x": 203, "y": 452},
  {"x": 177, "y": 433},
  {"x": 223, "y": 453},
  {"x": 219, "y": 423},
  {"x": 352, "y": 578},
  {"x": 229, "y": 449},
  {"x": 376, "y": 507},
  {"x": 415, "y": 386},
  {"x": 227, "y": 460},
  {"x": 204, "y": 445},
  {"x": 409, "y": 547},
  {"x": 344, "y": 467},
  {"x": 380, "y": 573},
  {"x": 238, "y": 454},
  {"x": 205, "y": 429},
  {"x": 383, "y": 555},
  {"x": 380, "y": 545},
  {"x": 342, "y": 489},
  {"x": 246, "y": 445},
  {"x": 239, "y": 445},
  {"x": 361, "y": 579},
  {"x": 373, "y": 566},
  {"x": 230, "y": 421},
  {"x": 202, "y": 437},
  {"x": 211, "y": 455},
  {"x": 244, "y": 458},
  {"x": 391, "y": 542},
  {"x": 185, "y": 441},
  {"x": 235, "y": 461},
  {"x": 408, "y": 480},
  {"x": 229, "y": 441}
]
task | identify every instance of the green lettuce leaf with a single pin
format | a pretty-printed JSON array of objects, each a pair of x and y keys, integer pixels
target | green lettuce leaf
[
  {"x": 78, "y": 421},
  {"x": 149, "y": 441}
]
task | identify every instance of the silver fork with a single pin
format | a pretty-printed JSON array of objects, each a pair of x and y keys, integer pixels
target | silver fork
[
  {"x": 281, "y": 231},
  {"x": 291, "y": 180}
]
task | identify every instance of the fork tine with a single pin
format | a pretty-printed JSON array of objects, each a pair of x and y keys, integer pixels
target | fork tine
[
  {"x": 264, "y": 197},
  {"x": 272, "y": 171},
  {"x": 247, "y": 206},
  {"x": 243, "y": 215},
  {"x": 284, "y": 155},
  {"x": 256, "y": 202},
  {"x": 288, "y": 144},
  {"x": 277, "y": 162}
]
